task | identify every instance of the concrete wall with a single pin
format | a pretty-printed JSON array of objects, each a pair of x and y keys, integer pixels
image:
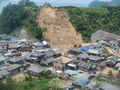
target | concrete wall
[{"x": 98, "y": 35}]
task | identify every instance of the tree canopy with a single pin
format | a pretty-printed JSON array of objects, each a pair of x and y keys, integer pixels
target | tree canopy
[
  {"x": 90, "y": 19},
  {"x": 22, "y": 14}
]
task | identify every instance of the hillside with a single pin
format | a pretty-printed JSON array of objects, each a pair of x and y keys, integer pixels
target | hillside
[
  {"x": 59, "y": 30},
  {"x": 90, "y": 19},
  {"x": 98, "y": 3},
  {"x": 59, "y": 25}
]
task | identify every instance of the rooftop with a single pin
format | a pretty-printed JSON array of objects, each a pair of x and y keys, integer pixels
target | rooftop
[
  {"x": 3, "y": 72},
  {"x": 12, "y": 67},
  {"x": 13, "y": 45},
  {"x": 49, "y": 53},
  {"x": 82, "y": 56},
  {"x": 16, "y": 59},
  {"x": 36, "y": 69},
  {"x": 75, "y": 50},
  {"x": 108, "y": 86},
  {"x": 82, "y": 81},
  {"x": 63, "y": 59},
  {"x": 95, "y": 51}
]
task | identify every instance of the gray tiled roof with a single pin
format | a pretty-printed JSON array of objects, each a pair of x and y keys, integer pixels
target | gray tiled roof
[
  {"x": 37, "y": 54},
  {"x": 13, "y": 45},
  {"x": 12, "y": 54},
  {"x": 27, "y": 56},
  {"x": 95, "y": 57},
  {"x": 82, "y": 56},
  {"x": 4, "y": 72},
  {"x": 49, "y": 53},
  {"x": 2, "y": 58},
  {"x": 108, "y": 86},
  {"x": 23, "y": 45},
  {"x": 12, "y": 67},
  {"x": 95, "y": 51},
  {"x": 75, "y": 50},
  {"x": 48, "y": 60},
  {"x": 112, "y": 59},
  {"x": 36, "y": 69},
  {"x": 81, "y": 63},
  {"x": 86, "y": 65},
  {"x": 38, "y": 44},
  {"x": 3, "y": 35},
  {"x": 16, "y": 59},
  {"x": 115, "y": 58}
]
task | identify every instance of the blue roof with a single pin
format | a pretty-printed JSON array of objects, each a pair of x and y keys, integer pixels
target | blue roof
[
  {"x": 85, "y": 48},
  {"x": 114, "y": 42},
  {"x": 81, "y": 81},
  {"x": 101, "y": 41},
  {"x": 98, "y": 44},
  {"x": 6, "y": 37}
]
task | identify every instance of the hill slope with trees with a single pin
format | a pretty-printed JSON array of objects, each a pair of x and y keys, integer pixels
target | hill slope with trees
[
  {"x": 22, "y": 14},
  {"x": 98, "y": 3},
  {"x": 90, "y": 19},
  {"x": 85, "y": 20}
]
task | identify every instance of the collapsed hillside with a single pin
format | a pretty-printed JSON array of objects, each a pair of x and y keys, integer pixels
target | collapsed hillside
[{"x": 59, "y": 31}]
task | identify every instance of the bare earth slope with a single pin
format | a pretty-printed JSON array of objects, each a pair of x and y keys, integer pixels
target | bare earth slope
[{"x": 59, "y": 30}]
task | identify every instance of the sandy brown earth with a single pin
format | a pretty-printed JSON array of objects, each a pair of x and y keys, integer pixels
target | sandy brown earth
[
  {"x": 105, "y": 71},
  {"x": 59, "y": 32}
]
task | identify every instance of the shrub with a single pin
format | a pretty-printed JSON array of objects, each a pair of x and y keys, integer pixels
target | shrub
[
  {"x": 46, "y": 74},
  {"x": 110, "y": 73}
]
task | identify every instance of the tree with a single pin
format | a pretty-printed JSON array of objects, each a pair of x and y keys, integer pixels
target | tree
[{"x": 110, "y": 73}]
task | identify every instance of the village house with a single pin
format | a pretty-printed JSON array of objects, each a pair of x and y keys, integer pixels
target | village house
[
  {"x": 38, "y": 45},
  {"x": 2, "y": 35},
  {"x": 82, "y": 57},
  {"x": 72, "y": 68},
  {"x": 94, "y": 59},
  {"x": 49, "y": 53},
  {"x": 108, "y": 86},
  {"x": 34, "y": 56},
  {"x": 3, "y": 47},
  {"x": 2, "y": 62},
  {"x": 46, "y": 44},
  {"x": 111, "y": 61},
  {"x": 3, "y": 74},
  {"x": 23, "y": 47},
  {"x": 61, "y": 62},
  {"x": 101, "y": 66},
  {"x": 44, "y": 58},
  {"x": 73, "y": 52},
  {"x": 12, "y": 46},
  {"x": 84, "y": 66},
  {"x": 80, "y": 82},
  {"x": 47, "y": 62},
  {"x": 10, "y": 38},
  {"x": 16, "y": 60},
  {"x": 35, "y": 70},
  {"x": 95, "y": 52},
  {"x": 14, "y": 69},
  {"x": 91, "y": 86},
  {"x": 107, "y": 39},
  {"x": 12, "y": 53}
]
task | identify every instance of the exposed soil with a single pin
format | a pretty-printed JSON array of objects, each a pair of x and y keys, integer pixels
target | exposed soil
[
  {"x": 60, "y": 32},
  {"x": 105, "y": 71}
]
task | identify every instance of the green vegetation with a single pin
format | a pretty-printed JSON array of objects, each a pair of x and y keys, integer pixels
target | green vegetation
[
  {"x": 84, "y": 19},
  {"x": 30, "y": 83},
  {"x": 110, "y": 79},
  {"x": 90, "y": 19},
  {"x": 23, "y": 14},
  {"x": 110, "y": 73},
  {"x": 98, "y": 3}
]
